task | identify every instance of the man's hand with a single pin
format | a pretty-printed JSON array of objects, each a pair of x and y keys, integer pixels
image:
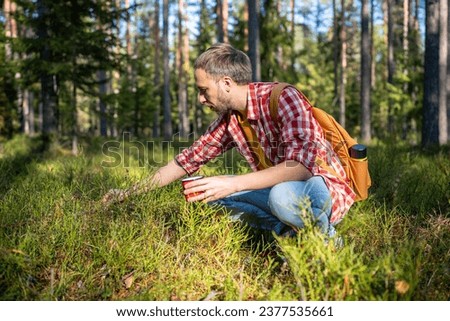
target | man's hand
[
  {"x": 115, "y": 196},
  {"x": 211, "y": 188}
]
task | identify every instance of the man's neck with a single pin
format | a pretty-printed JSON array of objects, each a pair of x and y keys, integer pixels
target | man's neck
[{"x": 241, "y": 96}]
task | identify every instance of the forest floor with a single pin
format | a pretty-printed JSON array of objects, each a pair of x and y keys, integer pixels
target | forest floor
[{"x": 59, "y": 242}]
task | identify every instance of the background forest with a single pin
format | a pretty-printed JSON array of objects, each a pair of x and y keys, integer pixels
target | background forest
[
  {"x": 72, "y": 68},
  {"x": 79, "y": 75}
]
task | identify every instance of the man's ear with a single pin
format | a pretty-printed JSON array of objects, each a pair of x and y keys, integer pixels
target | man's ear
[{"x": 227, "y": 83}]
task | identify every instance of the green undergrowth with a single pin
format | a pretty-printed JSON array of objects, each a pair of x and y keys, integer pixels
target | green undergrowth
[{"x": 59, "y": 242}]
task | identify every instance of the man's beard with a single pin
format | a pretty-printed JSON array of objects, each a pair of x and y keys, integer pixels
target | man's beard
[{"x": 223, "y": 105}]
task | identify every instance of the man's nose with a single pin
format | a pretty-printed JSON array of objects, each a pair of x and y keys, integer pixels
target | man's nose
[{"x": 201, "y": 99}]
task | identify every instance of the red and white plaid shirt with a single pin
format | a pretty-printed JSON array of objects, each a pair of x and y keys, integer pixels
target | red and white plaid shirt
[{"x": 295, "y": 135}]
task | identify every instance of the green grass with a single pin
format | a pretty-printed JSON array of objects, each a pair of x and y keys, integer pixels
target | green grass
[{"x": 58, "y": 242}]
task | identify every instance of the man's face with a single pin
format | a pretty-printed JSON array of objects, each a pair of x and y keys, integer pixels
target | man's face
[{"x": 211, "y": 93}]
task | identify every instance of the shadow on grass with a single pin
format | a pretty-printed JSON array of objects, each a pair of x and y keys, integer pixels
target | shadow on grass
[
  {"x": 411, "y": 178},
  {"x": 13, "y": 166}
]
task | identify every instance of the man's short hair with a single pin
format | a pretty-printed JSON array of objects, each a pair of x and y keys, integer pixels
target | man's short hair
[{"x": 224, "y": 60}]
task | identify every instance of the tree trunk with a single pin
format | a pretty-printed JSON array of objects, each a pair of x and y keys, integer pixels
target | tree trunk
[
  {"x": 246, "y": 26},
  {"x": 365, "y": 72},
  {"x": 101, "y": 76},
  {"x": 9, "y": 8},
  {"x": 203, "y": 30},
  {"x": 183, "y": 59},
  {"x": 430, "y": 126},
  {"x": 28, "y": 113},
  {"x": 335, "y": 52},
  {"x": 279, "y": 55},
  {"x": 448, "y": 74},
  {"x": 292, "y": 39},
  {"x": 406, "y": 15},
  {"x": 390, "y": 60},
  {"x": 343, "y": 78},
  {"x": 166, "y": 91},
  {"x": 222, "y": 20},
  {"x": 443, "y": 57},
  {"x": 135, "y": 89},
  {"x": 128, "y": 40},
  {"x": 74, "y": 121},
  {"x": 114, "y": 83},
  {"x": 11, "y": 32},
  {"x": 156, "y": 79},
  {"x": 48, "y": 81},
  {"x": 253, "y": 38},
  {"x": 372, "y": 45}
]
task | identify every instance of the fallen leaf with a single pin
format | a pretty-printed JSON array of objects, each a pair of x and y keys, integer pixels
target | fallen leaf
[
  {"x": 401, "y": 286},
  {"x": 128, "y": 280}
]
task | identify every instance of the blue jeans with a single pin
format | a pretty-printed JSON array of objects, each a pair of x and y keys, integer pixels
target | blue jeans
[{"x": 283, "y": 206}]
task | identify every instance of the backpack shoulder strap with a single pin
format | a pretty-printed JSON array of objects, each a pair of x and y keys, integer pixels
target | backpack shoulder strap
[{"x": 274, "y": 96}]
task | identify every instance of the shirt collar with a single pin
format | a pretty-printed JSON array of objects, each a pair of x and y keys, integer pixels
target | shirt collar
[{"x": 252, "y": 103}]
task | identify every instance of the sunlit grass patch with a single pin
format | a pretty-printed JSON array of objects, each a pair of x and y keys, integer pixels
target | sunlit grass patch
[{"x": 59, "y": 242}]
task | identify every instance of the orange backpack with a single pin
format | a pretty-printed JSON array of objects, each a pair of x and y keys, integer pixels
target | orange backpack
[{"x": 352, "y": 155}]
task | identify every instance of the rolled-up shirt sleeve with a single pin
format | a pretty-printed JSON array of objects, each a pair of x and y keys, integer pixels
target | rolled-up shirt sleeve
[
  {"x": 210, "y": 145},
  {"x": 300, "y": 131}
]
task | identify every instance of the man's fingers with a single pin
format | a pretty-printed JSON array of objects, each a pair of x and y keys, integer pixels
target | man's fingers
[{"x": 113, "y": 195}]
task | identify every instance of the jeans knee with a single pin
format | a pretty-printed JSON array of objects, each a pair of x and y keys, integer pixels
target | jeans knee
[
  {"x": 284, "y": 204},
  {"x": 279, "y": 197},
  {"x": 292, "y": 201}
]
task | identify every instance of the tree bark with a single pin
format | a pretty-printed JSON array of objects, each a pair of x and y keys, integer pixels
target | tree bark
[
  {"x": 335, "y": 52},
  {"x": 166, "y": 90},
  {"x": 28, "y": 113},
  {"x": 48, "y": 81},
  {"x": 74, "y": 120},
  {"x": 183, "y": 59},
  {"x": 253, "y": 38},
  {"x": 246, "y": 26},
  {"x": 406, "y": 15},
  {"x": 101, "y": 76},
  {"x": 365, "y": 72},
  {"x": 222, "y": 20},
  {"x": 430, "y": 126},
  {"x": 372, "y": 45},
  {"x": 443, "y": 57},
  {"x": 157, "y": 77},
  {"x": 390, "y": 60},
  {"x": 343, "y": 66},
  {"x": 448, "y": 73}
]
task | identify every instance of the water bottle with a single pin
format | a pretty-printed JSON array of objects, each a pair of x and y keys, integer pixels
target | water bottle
[{"x": 359, "y": 152}]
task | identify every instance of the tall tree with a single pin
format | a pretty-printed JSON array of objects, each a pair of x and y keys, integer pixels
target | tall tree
[
  {"x": 390, "y": 59},
  {"x": 443, "y": 57},
  {"x": 65, "y": 48},
  {"x": 430, "y": 126},
  {"x": 7, "y": 77},
  {"x": 166, "y": 89},
  {"x": 279, "y": 49},
  {"x": 372, "y": 45},
  {"x": 183, "y": 66},
  {"x": 49, "y": 83},
  {"x": 246, "y": 26},
  {"x": 365, "y": 72},
  {"x": 102, "y": 106},
  {"x": 156, "y": 77},
  {"x": 448, "y": 74},
  {"x": 253, "y": 38},
  {"x": 343, "y": 65},
  {"x": 406, "y": 25},
  {"x": 222, "y": 20},
  {"x": 335, "y": 52}
]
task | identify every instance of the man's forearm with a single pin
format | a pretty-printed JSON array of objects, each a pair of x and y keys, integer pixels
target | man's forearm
[
  {"x": 283, "y": 172},
  {"x": 164, "y": 176}
]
